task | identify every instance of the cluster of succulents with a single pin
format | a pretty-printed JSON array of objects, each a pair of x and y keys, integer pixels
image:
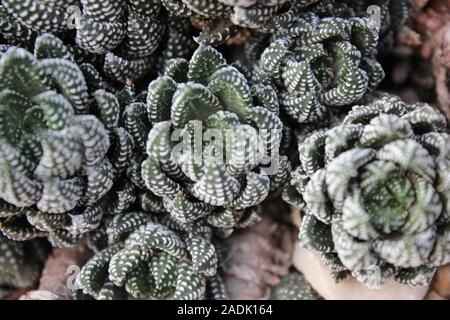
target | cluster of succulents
[
  {"x": 118, "y": 131},
  {"x": 143, "y": 256},
  {"x": 375, "y": 192},
  {"x": 127, "y": 32},
  {"x": 389, "y": 15},
  {"x": 218, "y": 171},
  {"x": 53, "y": 152},
  {"x": 320, "y": 63},
  {"x": 219, "y": 18},
  {"x": 124, "y": 37},
  {"x": 68, "y": 152},
  {"x": 184, "y": 203}
]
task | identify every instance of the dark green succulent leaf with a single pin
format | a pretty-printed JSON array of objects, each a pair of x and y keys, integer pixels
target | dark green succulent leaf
[
  {"x": 124, "y": 223},
  {"x": 124, "y": 70},
  {"x": 177, "y": 69},
  {"x": 164, "y": 269},
  {"x": 156, "y": 180},
  {"x": 86, "y": 220},
  {"x": 60, "y": 195},
  {"x": 137, "y": 283},
  {"x": 69, "y": 79},
  {"x": 159, "y": 98},
  {"x": 192, "y": 101},
  {"x": 231, "y": 87},
  {"x": 204, "y": 62},
  {"x": 293, "y": 287},
  {"x": 18, "y": 229},
  {"x": 216, "y": 288},
  {"x": 136, "y": 123},
  {"x": 122, "y": 150},
  {"x": 61, "y": 238},
  {"x": 47, "y": 221},
  {"x": 121, "y": 197},
  {"x": 203, "y": 254},
  {"x": 94, "y": 272},
  {"x": 415, "y": 276},
  {"x": 217, "y": 186},
  {"x": 190, "y": 285},
  {"x": 22, "y": 72},
  {"x": 124, "y": 262},
  {"x": 316, "y": 235},
  {"x": 151, "y": 203},
  {"x": 108, "y": 109},
  {"x": 21, "y": 267},
  {"x": 40, "y": 16}
]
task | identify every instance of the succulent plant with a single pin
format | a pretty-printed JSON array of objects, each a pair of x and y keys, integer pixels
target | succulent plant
[
  {"x": 152, "y": 179},
  {"x": 14, "y": 33},
  {"x": 40, "y": 16},
  {"x": 318, "y": 63},
  {"x": 220, "y": 19},
  {"x": 126, "y": 33},
  {"x": 223, "y": 177},
  {"x": 293, "y": 286},
  {"x": 391, "y": 15},
  {"x": 375, "y": 192},
  {"x": 20, "y": 263},
  {"x": 57, "y": 123},
  {"x": 250, "y": 13},
  {"x": 152, "y": 257}
]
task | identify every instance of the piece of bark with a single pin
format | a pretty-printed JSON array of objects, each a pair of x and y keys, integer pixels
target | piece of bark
[
  {"x": 426, "y": 39},
  {"x": 59, "y": 271},
  {"x": 441, "y": 282},
  {"x": 433, "y": 295},
  {"x": 258, "y": 257},
  {"x": 310, "y": 264}
]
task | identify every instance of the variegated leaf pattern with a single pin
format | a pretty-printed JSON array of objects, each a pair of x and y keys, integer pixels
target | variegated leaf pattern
[
  {"x": 374, "y": 190},
  {"x": 147, "y": 259},
  {"x": 59, "y": 152},
  {"x": 208, "y": 95},
  {"x": 320, "y": 63}
]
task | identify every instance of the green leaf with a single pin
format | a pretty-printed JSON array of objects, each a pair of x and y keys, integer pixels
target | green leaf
[
  {"x": 69, "y": 79},
  {"x": 108, "y": 109},
  {"x": 48, "y": 46},
  {"x": 59, "y": 196},
  {"x": 316, "y": 235},
  {"x": 192, "y": 101},
  {"x": 94, "y": 272},
  {"x": 203, "y": 254},
  {"x": 99, "y": 181},
  {"x": 190, "y": 285},
  {"x": 124, "y": 262},
  {"x": 159, "y": 98},
  {"x": 204, "y": 62},
  {"x": 217, "y": 187},
  {"x": 135, "y": 122},
  {"x": 39, "y": 16},
  {"x": 232, "y": 89},
  {"x": 21, "y": 72},
  {"x": 164, "y": 268},
  {"x": 256, "y": 190},
  {"x": 157, "y": 181}
]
